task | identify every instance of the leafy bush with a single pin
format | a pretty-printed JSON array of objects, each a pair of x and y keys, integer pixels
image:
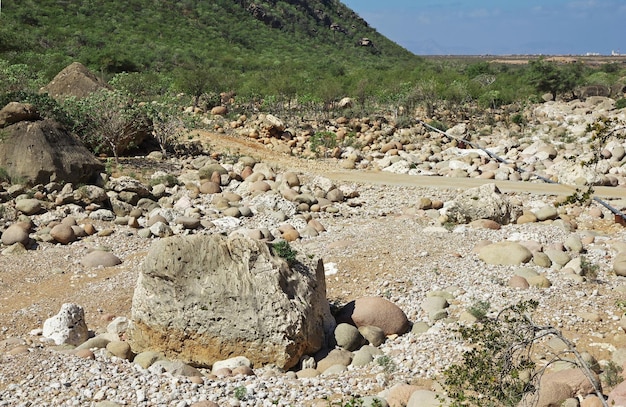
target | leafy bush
[
  {"x": 589, "y": 269},
  {"x": 4, "y": 175},
  {"x": 499, "y": 369},
  {"x": 108, "y": 122},
  {"x": 438, "y": 125},
  {"x": 479, "y": 309},
  {"x": 403, "y": 122},
  {"x": 492, "y": 99},
  {"x": 283, "y": 249},
  {"x": 611, "y": 374},
  {"x": 518, "y": 119},
  {"x": 240, "y": 393},
  {"x": 46, "y": 106},
  {"x": 18, "y": 77},
  {"x": 169, "y": 124},
  {"x": 387, "y": 363},
  {"x": 322, "y": 142},
  {"x": 620, "y": 103},
  {"x": 553, "y": 78}
]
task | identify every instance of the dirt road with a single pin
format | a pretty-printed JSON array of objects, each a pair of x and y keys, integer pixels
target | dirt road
[
  {"x": 386, "y": 178},
  {"x": 331, "y": 169}
]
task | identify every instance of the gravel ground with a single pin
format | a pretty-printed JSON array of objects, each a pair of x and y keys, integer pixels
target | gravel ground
[{"x": 380, "y": 244}]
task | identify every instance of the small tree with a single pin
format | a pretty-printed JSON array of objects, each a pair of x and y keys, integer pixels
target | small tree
[
  {"x": 198, "y": 81},
  {"x": 168, "y": 124},
  {"x": 549, "y": 77},
  {"x": 107, "y": 121},
  {"x": 17, "y": 77}
]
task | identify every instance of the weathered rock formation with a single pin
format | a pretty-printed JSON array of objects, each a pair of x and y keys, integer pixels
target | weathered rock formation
[
  {"x": 16, "y": 112},
  {"x": 207, "y": 298},
  {"x": 484, "y": 202},
  {"x": 75, "y": 80},
  {"x": 43, "y": 151},
  {"x": 68, "y": 326}
]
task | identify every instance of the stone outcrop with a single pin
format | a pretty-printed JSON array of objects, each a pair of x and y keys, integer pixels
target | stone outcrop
[
  {"x": 15, "y": 112},
  {"x": 484, "y": 202},
  {"x": 43, "y": 151},
  {"x": 75, "y": 80},
  {"x": 593, "y": 90},
  {"x": 68, "y": 326},
  {"x": 207, "y": 298}
]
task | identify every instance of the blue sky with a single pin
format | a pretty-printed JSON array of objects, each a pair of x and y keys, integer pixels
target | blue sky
[{"x": 499, "y": 27}]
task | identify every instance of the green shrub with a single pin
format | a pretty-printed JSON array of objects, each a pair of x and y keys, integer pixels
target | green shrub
[
  {"x": 518, "y": 119},
  {"x": 479, "y": 309},
  {"x": 499, "y": 367},
  {"x": 108, "y": 122},
  {"x": 283, "y": 249},
  {"x": 491, "y": 99},
  {"x": 403, "y": 122},
  {"x": 438, "y": 125},
  {"x": 387, "y": 363},
  {"x": 620, "y": 103},
  {"x": 322, "y": 142},
  {"x": 589, "y": 269},
  {"x": 240, "y": 393},
  {"x": 4, "y": 175},
  {"x": 611, "y": 374},
  {"x": 351, "y": 140}
]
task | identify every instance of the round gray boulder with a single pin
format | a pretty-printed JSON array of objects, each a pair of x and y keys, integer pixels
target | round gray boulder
[
  {"x": 28, "y": 206},
  {"x": 505, "y": 253},
  {"x": 348, "y": 337},
  {"x": 100, "y": 258},
  {"x": 16, "y": 233}
]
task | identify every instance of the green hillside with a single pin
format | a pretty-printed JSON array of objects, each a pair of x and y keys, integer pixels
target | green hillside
[
  {"x": 246, "y": 42},
  {"x": 268, "y": 53}
]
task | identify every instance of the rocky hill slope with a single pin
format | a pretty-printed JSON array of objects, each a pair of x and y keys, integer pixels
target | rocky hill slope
[{"x": 141, "y": 35}]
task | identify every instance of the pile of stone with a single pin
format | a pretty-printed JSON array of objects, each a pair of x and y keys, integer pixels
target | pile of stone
[
  {"x": 549, "y": 144},
  {"x": 207, "y": 197}
]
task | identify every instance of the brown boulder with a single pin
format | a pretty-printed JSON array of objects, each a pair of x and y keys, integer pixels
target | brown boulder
[
  {"x": 100, "y": 258},
  {"x": 556, "y": 387},
  {"x": 400, "y": 394},
  {"x": 74, "y": 80},
  {"x": 204, "y": 298},
  {"x": 63, "y": 233},
  {"x": 205, "y": 403},
  {"x": 16, "y": 112},
  {"x": 375, "y": 311},
  {"x": 210, "y": 187},
  {"x": 617, "y": 396},
  {"x": 335, "y": 357},
  {"x": 219, "y": 110},
  {"x": 42, "y": 152},
  {"x": 16, "y": 233}
]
